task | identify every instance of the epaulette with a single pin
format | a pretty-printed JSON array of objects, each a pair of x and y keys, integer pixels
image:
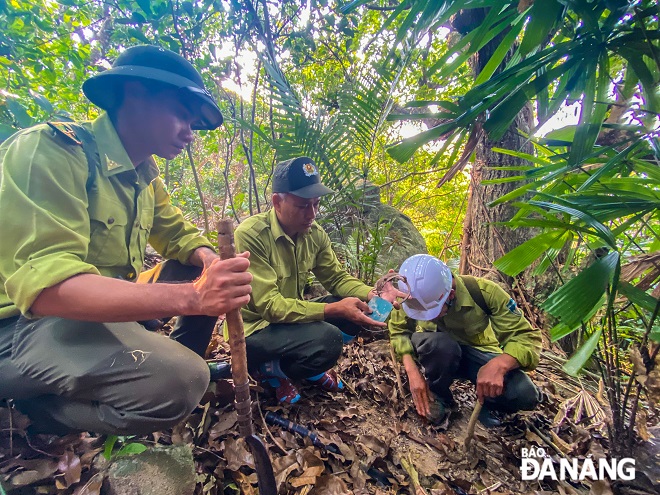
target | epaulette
[{"x": 66, "y": 132}]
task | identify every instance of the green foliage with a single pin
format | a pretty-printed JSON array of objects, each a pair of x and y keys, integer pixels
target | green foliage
[{"x": 127, "y": 448}]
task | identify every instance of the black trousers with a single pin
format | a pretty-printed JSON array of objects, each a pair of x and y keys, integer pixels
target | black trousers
[
  {"x": 304, "y": 349},
  {"x": 445, "y": 360}
]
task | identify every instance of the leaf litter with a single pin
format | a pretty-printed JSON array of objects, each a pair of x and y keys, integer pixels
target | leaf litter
[{"x": 382, "y": 445}]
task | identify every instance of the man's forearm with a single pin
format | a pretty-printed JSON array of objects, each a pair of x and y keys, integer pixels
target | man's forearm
[
  {"x": 89, "y": 297},
  {"x": 202, "y": 256},
  {"x": 505, "y": 363}
]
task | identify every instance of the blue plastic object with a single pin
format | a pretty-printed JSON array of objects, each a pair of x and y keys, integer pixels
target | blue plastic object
[{"x": 380, "y": 308}]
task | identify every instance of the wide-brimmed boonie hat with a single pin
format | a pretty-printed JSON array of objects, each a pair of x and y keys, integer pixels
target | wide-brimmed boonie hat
[
  {"x": 156, "y": 64},
  {"x": 300, "y": 177}
]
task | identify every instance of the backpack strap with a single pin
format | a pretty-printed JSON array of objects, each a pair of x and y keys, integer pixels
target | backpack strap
[
  {"x": 77, "y": 135},
  {"x": 475, "y": 293}
]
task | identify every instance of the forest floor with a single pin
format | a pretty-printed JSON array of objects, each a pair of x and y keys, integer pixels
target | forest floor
[{"x": 372, "y": 424}]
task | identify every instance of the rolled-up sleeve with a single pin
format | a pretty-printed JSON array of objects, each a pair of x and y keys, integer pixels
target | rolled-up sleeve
[
  {"x": 172, "y": 235},
  {"x": 401, "y": 329},
  {"x": 45, "y": 227}
]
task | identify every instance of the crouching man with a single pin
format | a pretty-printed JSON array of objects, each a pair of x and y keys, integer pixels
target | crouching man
[{"x": 463, "y": 327}]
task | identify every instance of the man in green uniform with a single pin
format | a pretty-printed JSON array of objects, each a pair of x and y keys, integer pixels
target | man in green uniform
[
  {"x": 79, "y": 204},
  {"x": 463, "y": 327},
  {"x": 287, "y": 337}
]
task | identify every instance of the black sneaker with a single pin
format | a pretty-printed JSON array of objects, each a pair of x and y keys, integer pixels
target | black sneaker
[
  {"x": 439, "y": 409},
  {"x": 488, "y": 419}
]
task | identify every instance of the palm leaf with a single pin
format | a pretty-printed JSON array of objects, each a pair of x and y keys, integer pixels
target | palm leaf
[
  {"x": 583, "y": 354},
  {"x": 574, "y": 301}
]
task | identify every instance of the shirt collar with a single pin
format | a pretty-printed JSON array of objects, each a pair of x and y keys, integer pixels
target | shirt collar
[
  {"x": 275, "y": 226},
  {"x": 462, "y": 296},
  {"x": 114, "y": 159}
]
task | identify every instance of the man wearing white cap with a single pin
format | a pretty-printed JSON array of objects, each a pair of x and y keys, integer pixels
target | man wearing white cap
[{"x": 463, "y": 327}]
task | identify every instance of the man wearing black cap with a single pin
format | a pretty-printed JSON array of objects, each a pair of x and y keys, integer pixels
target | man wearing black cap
[
  {"x": 288, "y": 338},
  {"x": 79, "y": 203}
]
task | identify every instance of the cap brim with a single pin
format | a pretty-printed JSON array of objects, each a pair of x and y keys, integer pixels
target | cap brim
[
  {"x": 424, "y": 314},
  {"x": 99, "y": 90},
  {"x": 312, "y": 191}
]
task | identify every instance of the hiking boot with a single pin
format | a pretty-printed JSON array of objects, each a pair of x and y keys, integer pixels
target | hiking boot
[
  {"x": 488, "y": 419},
  {"x": 439, "y": 410},
  {"x": 328, "y": 381},
  {"x": 285, "y": 391}
]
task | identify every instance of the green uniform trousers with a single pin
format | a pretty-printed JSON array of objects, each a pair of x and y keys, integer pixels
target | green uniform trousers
[{"x": 115, "y": 378}]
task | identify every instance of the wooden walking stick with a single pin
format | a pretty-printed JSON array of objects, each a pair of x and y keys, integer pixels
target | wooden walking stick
[
  {"x": 239, "y": 373},
  {"x": 471, "y": 424}
]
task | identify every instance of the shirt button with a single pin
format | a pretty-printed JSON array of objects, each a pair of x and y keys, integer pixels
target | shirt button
[
  {"x": 137, "y": 224},
  {"x": 111, "y": 220},
  {"x": 133, "y": 258}
]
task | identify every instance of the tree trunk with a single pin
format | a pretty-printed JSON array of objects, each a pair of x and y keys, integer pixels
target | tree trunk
[{"x": 483, "y": 240}]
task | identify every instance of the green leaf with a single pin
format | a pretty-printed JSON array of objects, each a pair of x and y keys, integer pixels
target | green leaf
[
  {"x": 145, "y": 5},
  {"x": 109, "y": 445},
  {"x": 42, "y": 101},
  {"x": 19, "y": 112},
  {"x": 637, "y": 296},
  {"x": 573, "y": 302},
  {"x": 131, "y": 449},
  {"x": 516, "y": 260},
  {"x": 138, "y": 35},
  {"x": 6, "y": 131},
  {"x": 543, "y": 16},
  {"x": 599, "y": 229},
  {"x": 582, "y": 355}
]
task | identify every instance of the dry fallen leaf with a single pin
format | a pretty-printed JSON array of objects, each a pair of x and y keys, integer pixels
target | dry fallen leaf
[
  {"x": 226, "y": 422},
  {"x": 35, "y": 470},
  {"x": 330, "y": 485},
  {"x": 69, "y": 465},
  {"x": 91, "y": 487},
  {"x": 237, "y": 454}
]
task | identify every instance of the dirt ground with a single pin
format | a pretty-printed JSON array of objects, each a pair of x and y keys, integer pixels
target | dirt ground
[{"x": 386, "y": 448}]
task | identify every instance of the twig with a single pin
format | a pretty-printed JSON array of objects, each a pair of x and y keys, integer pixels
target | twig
[
  {"x": 263, "y": 420},
  {"x": 472, "y": 424},
  {"x": 397, "y": 373},
  {"x": 490, "y": 488},
  {"x": 414, "y": 476},
  {"x": 543, "y": 437},
  {"x": 426, "y": 441}
]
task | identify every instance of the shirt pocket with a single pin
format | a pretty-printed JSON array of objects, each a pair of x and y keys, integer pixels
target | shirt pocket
[
  {"x": 108, "y": 233},
  {"x": 283, "y": 271}
]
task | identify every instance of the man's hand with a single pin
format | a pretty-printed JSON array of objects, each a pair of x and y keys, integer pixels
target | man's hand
[
  {"x": 389, "y": 293},
  {"x": 419, "y": 388},
  {"x": 352, "y": 309},
  {"x": 490, "y": 378},
  {"x": 223, "y": 286},
  {"x": 203, "y": 257}
]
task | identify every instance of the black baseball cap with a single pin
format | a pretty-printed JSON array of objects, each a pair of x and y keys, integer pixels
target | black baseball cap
[
  {"x": 154, "y": 63},
  {"x": 300, "y": 177}
]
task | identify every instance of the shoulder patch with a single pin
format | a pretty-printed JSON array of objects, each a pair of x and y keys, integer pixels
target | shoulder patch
[
  {"x": 513, "y": 307},
  {"x": 66, "y": 132}
]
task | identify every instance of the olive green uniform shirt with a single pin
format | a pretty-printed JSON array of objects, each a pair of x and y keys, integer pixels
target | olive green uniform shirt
[
  {"x": 506, "y": 329},
  {"x": 51, "y": 229},
  {"x": 280, "y": 268}
]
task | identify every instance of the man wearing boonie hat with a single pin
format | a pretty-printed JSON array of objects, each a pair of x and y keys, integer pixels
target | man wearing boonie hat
[
  {"x": 463, "y": 327},
  {"x": 79, "y": 203},
  {"x": 288, "y": 338}
]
